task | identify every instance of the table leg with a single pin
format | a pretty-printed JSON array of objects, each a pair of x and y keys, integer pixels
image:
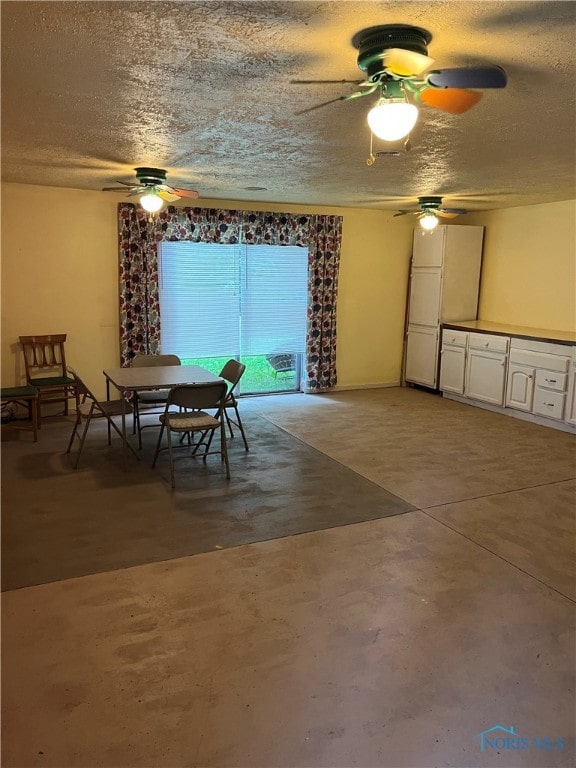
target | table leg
[
  {"x": 108, "y": 399},
  {"x": 124, "y": 436}
]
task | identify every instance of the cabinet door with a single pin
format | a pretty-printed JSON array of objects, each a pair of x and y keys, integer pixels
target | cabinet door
[
  {"x": 452, "y": 369},
  {"x": 485, "y": 376},
  {"x": 520, "y": 387},
  {"x": 571, "y": 410},
  {"x": 422, "y": 356},
  {"x": 425, "y": 290},
  {"x": 428, "y": 247}
]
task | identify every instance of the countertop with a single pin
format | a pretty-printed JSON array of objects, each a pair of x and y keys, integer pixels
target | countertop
[{"x": 521, "y": 331}]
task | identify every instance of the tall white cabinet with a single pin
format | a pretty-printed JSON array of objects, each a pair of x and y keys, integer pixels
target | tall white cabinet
[{"x": 444, "y": 284}]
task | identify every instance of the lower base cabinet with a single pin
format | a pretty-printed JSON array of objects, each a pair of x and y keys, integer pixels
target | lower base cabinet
[{"x": 511, "y": 375}]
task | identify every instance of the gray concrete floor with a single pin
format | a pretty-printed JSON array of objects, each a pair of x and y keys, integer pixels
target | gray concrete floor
[{"x": 389, "y": 642}]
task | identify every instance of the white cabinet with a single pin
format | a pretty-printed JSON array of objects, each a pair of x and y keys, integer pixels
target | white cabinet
[
  {"x": 571, "y": 405},
  {"x": 486, "y": 368},
  {"x": 425, "y": 291},
  {"x": 529, "y": 378},
  {"x": 547, "y": 365},
  {"x": 453, "y": 361},
  {"x": 444, "y": 283},
  {"x": 520, "y": 386},
  {"x": 485, "y": 376},
  {"x": 422, "y": 355}
]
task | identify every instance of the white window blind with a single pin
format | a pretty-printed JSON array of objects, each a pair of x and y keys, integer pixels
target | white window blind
[{"x": 232, "y": 300}]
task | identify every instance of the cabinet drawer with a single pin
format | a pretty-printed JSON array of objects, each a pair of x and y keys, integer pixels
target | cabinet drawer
[
  {"x": 551, "y": 380},
  {"x": 454, "y": 338},
  {"x": 539, "y": 360},
  {"x": 547, "y": 403},
  {"x": 485, "y": 341}
]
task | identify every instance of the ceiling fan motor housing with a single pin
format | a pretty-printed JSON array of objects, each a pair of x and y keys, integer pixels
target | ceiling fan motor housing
[
  {"x": 150, "y": 176},
  {"x": 372, "y": 43},
  {"x": 429, "y": 203}
]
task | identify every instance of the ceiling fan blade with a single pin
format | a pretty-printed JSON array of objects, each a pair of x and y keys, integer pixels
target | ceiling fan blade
[
  {"x": 454, "y": 100},
  {"x": 319, "y": 106},
  {"x": 451, "y": 211},
  {"x": 468, "y": 77},
  {"x": 186, "y": 193},
  {"x": 409, "y": 213},
  {"x": 317, "y": 82},
  {"x": 400, "y": 61},
  {"x": 113, "y": 189},
  {"x": 168, "y": 196},
  {"x": 444, "y": 215}
]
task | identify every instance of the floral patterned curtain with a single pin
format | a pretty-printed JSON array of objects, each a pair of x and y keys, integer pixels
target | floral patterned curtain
[{"x": 139, "y": 298}]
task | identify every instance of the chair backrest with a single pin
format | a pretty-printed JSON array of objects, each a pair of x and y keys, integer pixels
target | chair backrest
[
  {"x": 81, "y": 389},
  {"x": 152, "y": 361},
  {"x": 210, "y": 394},
  {"x": 232, "y": 372},
  {"x": 44, "y": 355}
]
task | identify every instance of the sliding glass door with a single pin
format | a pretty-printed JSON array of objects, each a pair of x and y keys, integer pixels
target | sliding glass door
[{"x": 242, "y": 301}]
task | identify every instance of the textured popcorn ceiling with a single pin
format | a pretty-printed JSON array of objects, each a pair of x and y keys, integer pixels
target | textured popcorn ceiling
[{"x": 92, "y": 89}]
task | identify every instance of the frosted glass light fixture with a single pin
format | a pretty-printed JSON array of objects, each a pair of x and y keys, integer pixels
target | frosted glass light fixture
[
  {"x": 392, "y": 119},
  {"x": 429, "y": 221},
  {"x": 151, "y": 202}
]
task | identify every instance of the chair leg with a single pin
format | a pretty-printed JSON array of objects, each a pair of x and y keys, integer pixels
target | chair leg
[
  {"x": 241, "y": 428},
  {"x": 224, "y": 449},
  {"x": 229, "y": 422},
  {"x": 74, "y": 432},
  {"x": 158, "y": 445},
  {"x": 171, "y": 458},
  {"x": 82, "y": 439}
]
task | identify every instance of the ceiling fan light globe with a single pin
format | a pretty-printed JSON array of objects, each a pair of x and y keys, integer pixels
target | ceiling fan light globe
[
  {"x": 429, "y": 221},
  {"x": 151, "y": 202},
  {"x": 392, "y": 120}
]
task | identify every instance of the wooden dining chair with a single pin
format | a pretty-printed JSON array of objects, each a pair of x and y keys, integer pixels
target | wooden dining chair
[
  {"x": 88, "y": 407},
  {"x": 194, "y": 400},
  {"x": 45, "y": 368},
  {"x": 149, "y": 398}
]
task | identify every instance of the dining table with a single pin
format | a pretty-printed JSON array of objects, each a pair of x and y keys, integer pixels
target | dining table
[{"x": 128, "y": 380}]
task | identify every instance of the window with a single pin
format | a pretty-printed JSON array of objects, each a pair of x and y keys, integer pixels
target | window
[{"x": 243, "y": 301}]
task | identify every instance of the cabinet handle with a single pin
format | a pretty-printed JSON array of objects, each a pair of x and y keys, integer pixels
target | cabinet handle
[
  {"x": 550, "y": 381},
  {"x": 550, "y": 405}
]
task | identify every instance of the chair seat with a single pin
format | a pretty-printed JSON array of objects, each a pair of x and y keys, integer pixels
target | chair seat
[
  {"x": 7, "y": 393},
  {"x": 52, "y": 381},
  {"x": 189, "y": 422}
]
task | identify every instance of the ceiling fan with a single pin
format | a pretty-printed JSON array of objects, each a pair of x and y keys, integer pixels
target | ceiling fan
[
  {"x": 394, "y": 58},
  {"x": 429, "y": 209},
  {"x": 150, "y": 183}
]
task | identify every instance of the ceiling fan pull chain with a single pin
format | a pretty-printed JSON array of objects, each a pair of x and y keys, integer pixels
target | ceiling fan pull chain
[{"x": 371, "y": 159}]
